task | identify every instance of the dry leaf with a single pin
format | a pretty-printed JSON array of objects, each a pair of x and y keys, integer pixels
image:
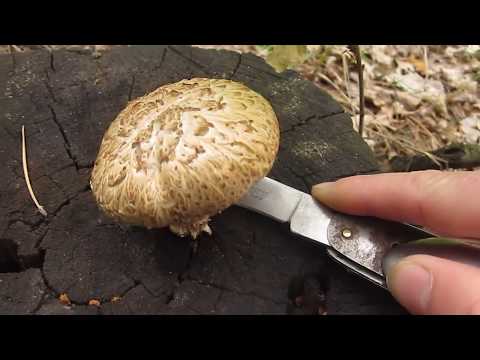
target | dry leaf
[
  {"x": 456, "y": 78},
  {"x": 410, "y": 102},
  {"x": 94, "y": 302},
  {"x": 411, "y": 82},
  {"x": 461, "y": 97},
  {"x": 443, "y": 124},
  {"x": 471, "y": 129},
  {"x": 115, "y": 299},
  {"x": 379, "y": 55},
  {"x": 472, "y": 49},
  {"x": 419, "y": 64},
  {"x": 379, "y": 96},
  {"x": 457, "y": 111},
  {"x": 403, "y": 67},
  {"x": 428, "y": 90},
  {"x": 450, "y": 51},
  {"x": 314, "y": 48},
  {"x": 282, "y": 57},
  {"x": 64, "y": 299},
  {"x": 407, "y": 50},
  {"x": 451, "y": 75}
]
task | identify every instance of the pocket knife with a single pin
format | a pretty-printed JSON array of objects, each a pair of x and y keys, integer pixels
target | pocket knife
[{"x": 359, "y": 243}]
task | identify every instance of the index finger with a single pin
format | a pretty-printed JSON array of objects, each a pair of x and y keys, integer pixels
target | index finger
[{"x": 447, "y": 203}]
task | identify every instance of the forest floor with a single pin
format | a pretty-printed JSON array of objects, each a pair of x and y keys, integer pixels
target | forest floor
[{"x": 418, "y": 98}]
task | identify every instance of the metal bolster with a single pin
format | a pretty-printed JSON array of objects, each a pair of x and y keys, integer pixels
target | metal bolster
[{"x": 357, "y": 269}]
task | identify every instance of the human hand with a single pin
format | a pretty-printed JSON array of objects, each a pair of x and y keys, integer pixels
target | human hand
[{"x": 446, "y": 203}]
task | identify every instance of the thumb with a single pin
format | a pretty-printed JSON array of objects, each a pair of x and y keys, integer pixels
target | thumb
[{"x": 425, "y": 284}]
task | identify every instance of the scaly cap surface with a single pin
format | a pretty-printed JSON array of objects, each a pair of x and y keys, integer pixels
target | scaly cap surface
[{"x": 183, "y": 153}]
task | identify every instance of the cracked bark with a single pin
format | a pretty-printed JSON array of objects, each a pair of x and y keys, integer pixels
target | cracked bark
[
  {"x": 217, "y": 302},
  {"x": 226, "y": 289},
  {"x": 40, "y": 303},
  {"x": 307, "y": 121},
  {"x": 49, "y": 88},
  {"x": 50, "y": 288},
  {"x": 270, "y": 72},
  {"x": 54, "y": 172},
  {"x": 224, "y": 253},
  {"x": 181, "y": 274},
  {"x": 130, "y": 90},
  {"x": 300, "y": 177},
  {"x": 162, "y": 60},
  {"x": 52, "y": 61},
  {"x": 64, "y": 136},
  {"x": 237, "y": 66},
  {"x": 33, "y": 225},
  {"x": 189, "y": 59},
  {"x": 56, "y": 293},
  {"x": 68, "y": 200}
]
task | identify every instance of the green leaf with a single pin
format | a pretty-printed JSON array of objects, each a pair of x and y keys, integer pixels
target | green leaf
[{"x": 283, "y": 57}]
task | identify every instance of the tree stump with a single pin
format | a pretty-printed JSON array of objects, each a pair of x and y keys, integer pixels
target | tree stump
[{"x": 249, "y": 265}]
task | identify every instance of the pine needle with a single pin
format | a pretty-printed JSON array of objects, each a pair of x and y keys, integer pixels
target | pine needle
[{"x": 27, "y": 178}]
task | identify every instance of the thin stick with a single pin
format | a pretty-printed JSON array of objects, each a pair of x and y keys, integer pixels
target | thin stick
[
  {"x": 356, "y": 51},
  {"x": 27, "y": 178},
  {"x": 425, "y": 60},
  {"x": 346, "y": 78}
]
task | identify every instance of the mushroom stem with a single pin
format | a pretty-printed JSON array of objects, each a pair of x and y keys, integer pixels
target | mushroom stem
[{"x": 193, "y": 229}]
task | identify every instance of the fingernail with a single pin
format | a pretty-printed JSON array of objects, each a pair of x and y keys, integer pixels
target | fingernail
[
  {"x": 323, "y": 190},
  {"x": 410, "y": 283}
]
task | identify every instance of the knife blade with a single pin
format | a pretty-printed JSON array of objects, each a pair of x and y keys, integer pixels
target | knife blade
[
  {"x": 283, "y": 203},
  {"x": 358, "y": 243}
]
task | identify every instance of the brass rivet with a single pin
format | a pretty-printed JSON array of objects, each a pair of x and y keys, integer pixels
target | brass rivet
[{"x": 347, "y": 233}]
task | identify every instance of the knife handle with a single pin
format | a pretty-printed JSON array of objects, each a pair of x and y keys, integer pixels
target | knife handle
[{"x": 362, "y": 243}]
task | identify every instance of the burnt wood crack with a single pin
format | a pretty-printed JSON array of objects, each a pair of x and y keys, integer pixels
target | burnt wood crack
[{"x": 64, "y": 136}]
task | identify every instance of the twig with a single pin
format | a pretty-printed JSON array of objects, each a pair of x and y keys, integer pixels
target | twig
[
  {"x": 356, "y": 51},
  {"x": 27, "y": 178},
  {"x": 346, "y": 78},
  {"x": 425, "y": 60},
  {"x": 346, "y": 56}
]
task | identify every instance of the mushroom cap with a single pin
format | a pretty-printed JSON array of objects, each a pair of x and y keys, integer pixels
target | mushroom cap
[{"x": 183, "y": 153}]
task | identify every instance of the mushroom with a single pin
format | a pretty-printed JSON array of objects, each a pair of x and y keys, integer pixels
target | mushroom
[{"x": 183, "y": 153}]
